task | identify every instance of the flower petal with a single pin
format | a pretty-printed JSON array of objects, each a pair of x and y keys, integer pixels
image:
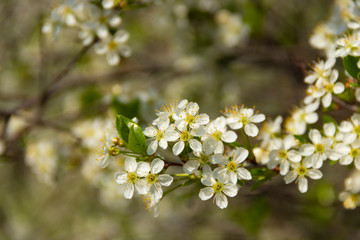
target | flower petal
[
  {"x": 143, "y": 169},
  {"x": 314, "y": 174},
  {"x": 229, "y": 136},
  {"x": 290, "y": 176},
  {"x": 251, "y": 130},
  {"x": 206, "y": 193},
  {"x": 129, "y": 191},
  {"x": 195, "y": 145},
  {"x": 157, "y": 165},
  {"x": 130, "y": 164},
  {"x": 303, "y": 184},
  {"x": 178, "y": 147},
  {"x": 165, "y": 179},
  {"x": 221, "y": 200},
  {"x": 152, "y": 147},
  {"x": 191, "y": 166},
  {"x": 230, "y": 190},
  {"x": 121, "y": 178},
  {"x": 243, "y": 173}
]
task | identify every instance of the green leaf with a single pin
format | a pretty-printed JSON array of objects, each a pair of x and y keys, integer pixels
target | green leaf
[
  {"x": 329, "y": 119},
  {"x": 137, "y": 140},
  {"x": 122, "y": 128},
  {"x": 350, "y": 64},
  {"x": 234, "y": 144},
  {"x": 261, "y": 175},
  {"x": 301, "y": 138}
]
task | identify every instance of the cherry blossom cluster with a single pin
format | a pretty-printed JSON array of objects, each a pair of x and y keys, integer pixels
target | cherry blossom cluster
[
  {"x": 202, "y": 150},
  {"x": 298, "y": 148},
  {"x": 98, "y": 22}
]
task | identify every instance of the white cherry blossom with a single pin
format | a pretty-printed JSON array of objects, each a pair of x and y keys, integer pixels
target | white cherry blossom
[
  {"x": 283, "y": 155},
  {"x": 216, "y": 186},
  {"x": 134, "y": 171},
  {"x": 299, "y": 173},
  {"x": 217, "y": 131},
  {"x": 231, "y": 166},
  {"x": 241, "y": 117}
]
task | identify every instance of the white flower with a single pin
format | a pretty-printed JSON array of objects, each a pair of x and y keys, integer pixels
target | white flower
[
  {"x": 201, "y": 158},
  {"x": 230, "y": 166},
  {"x": 324, "y": 88},
  {"x": 153, "y": 181},
  {"x": 319, "y": 151},
  {"x": 351, "y": 153},
  {"x": 41, "y": 156},
  {"x": 216, "y": 186},
  {"x": 151, "y": 204},
  {"x": 217, "y": 131},
  {"x": 299, "y": 173},
  {"x": 108, "y": 150},
  {"x": 183, "y": 137},
  {"x": 232, "y": 30},
  {"x": 69, "y": 13},
  {"x": 91, "y": 131},
  {"x": 107, "y": 4},
  {"x": 239, "y": 117},
  {"x": 168, "y": 110},
  {"x": 350, "y": 197},
  {"x": 189, "y": 116},
  {"x": 320, "y": 71},
  {"x": 134, "y": 171},
  {"x": 269, "y": 130},
  {"x": 351, "y": 129},
  {"x": 348, "y": 45},
  {"x": 113, "y": 46},
  {"x": 157, "y": 135},
  {"x": 350, "y": 200},
  {"x": 103, "y": 20},
  {"x": 283, "y": 155},
  {"x": 323, "y": 38},
  {"x": 300, "y": 117}
]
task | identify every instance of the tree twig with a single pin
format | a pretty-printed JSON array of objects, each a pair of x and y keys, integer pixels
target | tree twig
[{"x": 345, "y": 105}]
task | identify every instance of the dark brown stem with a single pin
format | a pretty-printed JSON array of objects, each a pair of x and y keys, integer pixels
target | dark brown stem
[{"x": 345, "y": 105}]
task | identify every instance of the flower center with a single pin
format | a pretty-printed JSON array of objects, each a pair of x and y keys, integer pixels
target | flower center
[
  {"x": 357, "y": 130},
  {"x": 132, "y": 177},
  {"x": 190, "y": 119},
  {"x": 185, "y": 136},
  {"x": 232, "y": 166},
  {"x": 302, "y": 117},
  {"x": 217, "y": 135},
  {"x": 244, "y": 120},
  {"x": 301, "y": 171},
  {"x": 204, "y": 159},
  {"x": 159, "y": 135},
  {"x": 112, "y": 45},
  {"x": 102, "y": 19},
  {"x": 354, "y": 152},
  {"x": 113, "y": 151},
  {"x": 351, "y": 201},
  {"x": 329, "y": 87},
  {"x": 319, "y": 148},
  {"x": 151, "y": 178},
  {"x": 218, "y": 187},
  {"x": 283, "y": 154}
]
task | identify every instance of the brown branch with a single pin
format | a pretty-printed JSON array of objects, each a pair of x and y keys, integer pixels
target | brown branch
[
  {"x": 345, "y": 105},
  {"x": 46, "y": 93}
]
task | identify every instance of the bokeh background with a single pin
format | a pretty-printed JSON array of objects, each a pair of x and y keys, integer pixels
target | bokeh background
[{"x": 217, "y": 53}]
